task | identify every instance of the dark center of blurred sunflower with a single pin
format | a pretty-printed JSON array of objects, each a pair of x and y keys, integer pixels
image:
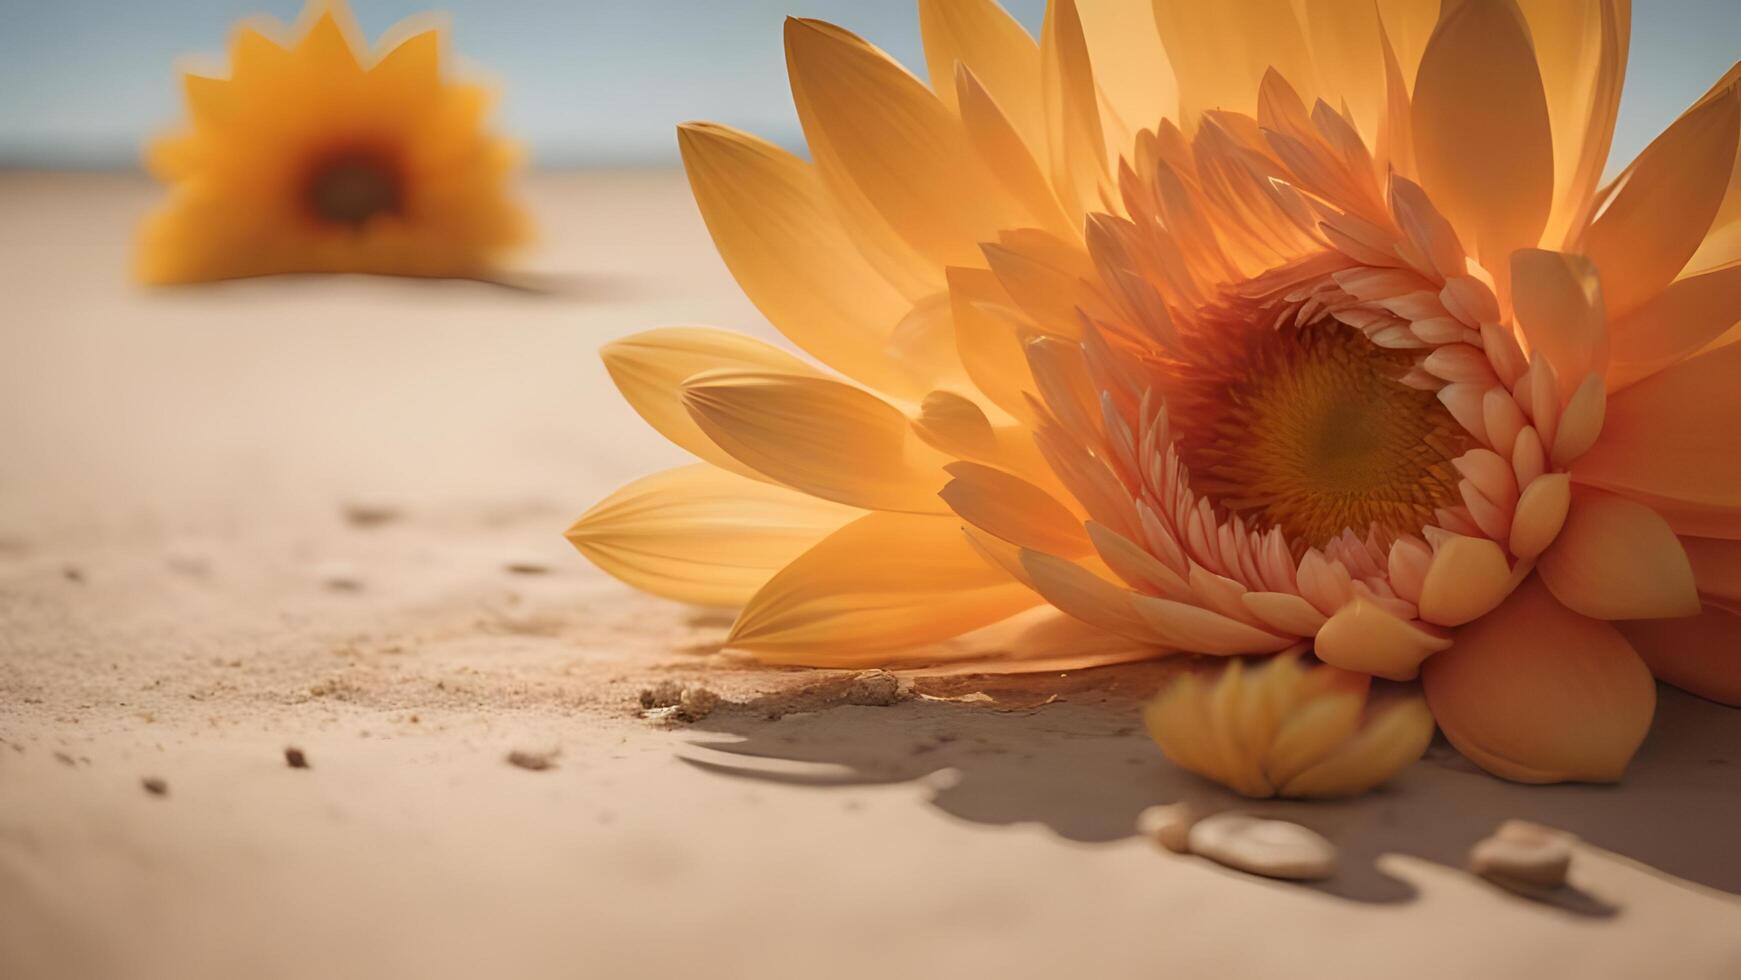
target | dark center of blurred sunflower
[
  {"x": 1308, "y": 428},
  {"x": 351, "y": 189}
]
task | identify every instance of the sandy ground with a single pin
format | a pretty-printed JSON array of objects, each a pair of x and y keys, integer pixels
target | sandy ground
[{"x": 180, "y": 477}]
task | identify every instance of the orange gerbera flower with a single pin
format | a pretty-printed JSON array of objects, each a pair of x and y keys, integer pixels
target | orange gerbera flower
[
  {"x": 1319, "y": 334},
  {"x": 317, "y": 156}
]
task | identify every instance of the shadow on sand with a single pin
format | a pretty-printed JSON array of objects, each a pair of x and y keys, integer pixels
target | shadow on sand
[{"x": 1081, "y": 766}]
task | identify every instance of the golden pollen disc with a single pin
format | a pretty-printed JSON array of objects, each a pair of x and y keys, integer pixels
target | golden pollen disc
[
  {"x": 1308, "y": 429},
  {"x": 351, "y": 189}
]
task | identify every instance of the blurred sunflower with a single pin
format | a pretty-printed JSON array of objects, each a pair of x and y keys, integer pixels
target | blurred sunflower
[
  {"x": 1237, "y": 329},
  {"x": 317, "y": 156}
]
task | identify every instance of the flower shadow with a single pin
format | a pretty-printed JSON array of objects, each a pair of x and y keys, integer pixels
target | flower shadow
[{"x": 1079, "y": 764}]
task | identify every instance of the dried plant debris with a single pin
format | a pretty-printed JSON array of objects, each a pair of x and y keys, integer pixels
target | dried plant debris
[
  {"x": 670, "y": 701},
  {"x": 534, "y": 761},
  {"x": 1524, "y": 857},
  {"x": 526, "y": 565},
  {"x": 1272, "y": 848},
  {"x": 155, "y": 786},
  {"x": 295, "y": 758}
]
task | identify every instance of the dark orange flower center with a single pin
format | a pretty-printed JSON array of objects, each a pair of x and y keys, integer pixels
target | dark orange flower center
[
  {"x": 350, "y": 189},
  {"x": 1309, "y": 429}
]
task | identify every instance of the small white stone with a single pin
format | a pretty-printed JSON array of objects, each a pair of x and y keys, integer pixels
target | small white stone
[
  {"x": 1523, "y": 853},
  {"x": 1273, "y": 848},
  {"x": 1170, "y": 825}
]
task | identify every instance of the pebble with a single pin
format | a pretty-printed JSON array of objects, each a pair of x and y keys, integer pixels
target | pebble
[
  {"x": 873, "y": 688},
  {"x": 368, "y": 512},
  {"x": 1523, "y": 853},
  {"x": 295, "y": 758},
  {"x": 155, "y": 786},
  {"x": 526, "y": 565},
  {"x": 1272, "y": 848},
  {"x": 1170, "y": 825},
  {"x": 340, "y": 576},
  {"x": 535, "y": 761}
]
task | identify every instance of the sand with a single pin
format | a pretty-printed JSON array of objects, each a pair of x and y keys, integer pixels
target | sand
[{"x": 326, "y": 514}]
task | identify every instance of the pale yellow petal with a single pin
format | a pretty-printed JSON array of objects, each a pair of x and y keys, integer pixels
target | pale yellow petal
[
  {"x": 1362, "y": 636},
  {"x": 1074, "y": 133},
  {"x": 1581, "y": 46},
  {"x": 699, "y": 534},
  {"x": 1467, "y": 578},
  {"x": 1557, "y": 301},
  {"x": 821, "y": 436},
  {"x": 650, "y": 368},
  {"x": 855, "y": 594},
  {"x": 1220, "y": 52},
  {"x": 1130, "y": 65},
  {"x": 1391, "y": 740}
]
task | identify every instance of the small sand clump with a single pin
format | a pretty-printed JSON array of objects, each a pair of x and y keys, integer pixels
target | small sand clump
[{"x": 670, "y": 701}]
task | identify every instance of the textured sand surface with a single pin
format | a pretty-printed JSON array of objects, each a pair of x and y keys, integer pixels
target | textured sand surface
[{"x": 183, "y": 595}]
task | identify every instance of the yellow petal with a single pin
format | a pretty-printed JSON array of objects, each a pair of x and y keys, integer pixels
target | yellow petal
[
  {"x": 1364, "y": 637},
  {"x": 1537, "y": 693},
  {"x": 1002, "y": 151},
  {"x": 413, "y": 62},
  {"x": 981, "y": 37},
  {"x": 699, "y": 534},
  {"x": 989, "y": 341},
  {"x": 1482, "y": 138},
  {"x": 650, "y": 368},
  {"x": 1673, "y": 436},
  {"x": 1088, "y": 596},
  {"x": 1541, "y": 512},
  {"x": 1557, "y": 300},
  {"x": 1468, "y": 577},
  {"x": 895, "y": 143},
  {"x": 332, "y": 40},
  {"x": 1618, "y": 559},
  {"x": 1674, "y": 324},
  {"x": 1701, "y": 654},
  {"x": 1666, "y": 202},
  {"x": 854, "y": 595},
  {"x": 820, "y": 436},
  {"x": 1390, "y": 741},
  {"x": 775, "y": 226},
  {"x": 1220, "y": 52},
  {"x": 1184, "y": 626},
  {"x": 1073, "y": 129}
]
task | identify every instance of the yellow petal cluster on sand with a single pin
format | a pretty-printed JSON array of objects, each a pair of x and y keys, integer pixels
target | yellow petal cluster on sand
[
  {"x": 1281, "y": 728},
  {"x": 319, "y": 155},
  {"x": 1240, "y": 328}
]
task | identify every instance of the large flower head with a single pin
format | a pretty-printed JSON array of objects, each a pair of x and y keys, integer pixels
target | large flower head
[
  {"x": 1232, "y": 329},
  {"x": 316, "y": 155}
]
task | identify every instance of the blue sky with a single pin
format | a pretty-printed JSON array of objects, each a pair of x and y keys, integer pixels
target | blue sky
[{"x": 597, "y": 82}]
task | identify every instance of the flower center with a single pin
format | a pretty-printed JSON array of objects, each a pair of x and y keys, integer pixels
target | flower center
[
  {"x": 351, "y": 189},
  {"x": 1309, "y": 429}
]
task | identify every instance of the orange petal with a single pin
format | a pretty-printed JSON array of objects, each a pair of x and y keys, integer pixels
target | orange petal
[
  {"x": 1716, "y": 567},
  {"x": 1557, "y": 300},
  {"x": 895, "y": 142},
  {"x": 980, "y": 36},
  {"x": 1074, "y": 133},
  {"x": 1537, "y": 693},
  {"x": 1482, "y": 136},
  {"x": 1581, "y": 46},
  {"x": 1673, "y": 435},
  {"x": 1013, "y": 509},
  {"x": 1701, "y": 654},
  {"x": 699, "y": 534},
  {"x": 1618, "y": 559},
  {"x": 1665, "y": 204},
  {"x": 775, "y": 226},
  {"x": 1678, "y": 321},
  {"x": 818, "y": 435},
  {"x": 853, "y": 595}
]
